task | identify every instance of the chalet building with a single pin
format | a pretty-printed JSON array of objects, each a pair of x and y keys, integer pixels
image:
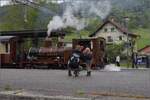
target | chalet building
[{"x": 113, "y": 32}]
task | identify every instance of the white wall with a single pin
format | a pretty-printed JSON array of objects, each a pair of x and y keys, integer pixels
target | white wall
[{"x": 115, "y": 34}]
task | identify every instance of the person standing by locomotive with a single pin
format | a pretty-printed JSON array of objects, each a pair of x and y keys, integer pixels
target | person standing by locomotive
[
  {"x": 118, "y": 60},
  {"x": 87, "y": 59}
]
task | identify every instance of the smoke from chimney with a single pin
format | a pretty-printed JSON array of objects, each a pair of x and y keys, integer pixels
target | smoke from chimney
[{"x": 86, "y": 9}]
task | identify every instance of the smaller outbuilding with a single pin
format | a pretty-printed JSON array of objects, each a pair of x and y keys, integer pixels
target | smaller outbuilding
[
  {"x": 144, "y": 56},
  {"x": 145, "y": 50},
  {"x": 8, "y": 49}
]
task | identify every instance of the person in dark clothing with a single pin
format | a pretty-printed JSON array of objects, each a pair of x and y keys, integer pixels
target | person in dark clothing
[
  {"x": 87, "y": 59},
  {"x": 147, "y": 61},
  {"x": 73, "y": 63}
]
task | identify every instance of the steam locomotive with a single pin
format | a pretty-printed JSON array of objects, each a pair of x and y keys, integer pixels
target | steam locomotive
[{"x": 51, "y": 56}]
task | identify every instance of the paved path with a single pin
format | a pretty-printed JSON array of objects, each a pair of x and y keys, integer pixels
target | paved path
[{"x": 127, "y": 83}]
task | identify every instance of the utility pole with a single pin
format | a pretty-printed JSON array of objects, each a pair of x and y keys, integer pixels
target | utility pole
[
  {"x": 126, "y": 19},
  {"x": 25, "y": 14}
]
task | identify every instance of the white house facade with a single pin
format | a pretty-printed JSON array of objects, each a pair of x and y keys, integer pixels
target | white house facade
[{"x": 113, "y": 33}]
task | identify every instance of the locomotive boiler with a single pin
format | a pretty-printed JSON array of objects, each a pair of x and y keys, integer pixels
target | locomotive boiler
[
  {"x": 58, "y": 56},
  {"x": 49, "y": 55}
]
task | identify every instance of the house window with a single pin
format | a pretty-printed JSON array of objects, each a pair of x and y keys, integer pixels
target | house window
[
  {"x": 109, "y": 38},
  {"x": 120, "y": 37},
  {"x": 105, "y": 30},
  {"x": 112, "y": 29},
  {"x": 6, "y": 47}
]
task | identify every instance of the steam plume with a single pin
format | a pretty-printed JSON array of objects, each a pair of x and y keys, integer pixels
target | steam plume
[{"x": 84, "y": 8}]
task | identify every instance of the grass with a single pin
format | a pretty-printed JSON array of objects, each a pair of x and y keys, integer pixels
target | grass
[
  {"x": 68, "y": 38},
  {"x": 83, "y": 33},
  {"x": 144, "y": 39},
  {"x": 125, "y": 65}
]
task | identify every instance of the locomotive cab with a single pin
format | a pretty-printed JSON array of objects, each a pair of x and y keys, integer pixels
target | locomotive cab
[{"x": 97, "y": 45}]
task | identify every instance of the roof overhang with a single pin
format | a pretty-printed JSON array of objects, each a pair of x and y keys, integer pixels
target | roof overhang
[
  {"x": 6, "y": 38},
  {"x": 32, "y": 33}
]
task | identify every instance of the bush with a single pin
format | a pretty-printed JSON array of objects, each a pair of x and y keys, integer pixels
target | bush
[{"x": 114, "y": 50}]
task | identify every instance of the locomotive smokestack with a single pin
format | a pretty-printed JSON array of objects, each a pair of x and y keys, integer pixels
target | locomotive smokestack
[
  {"x": 48, "y": 42},
  {"x": 60, "y": 41}
]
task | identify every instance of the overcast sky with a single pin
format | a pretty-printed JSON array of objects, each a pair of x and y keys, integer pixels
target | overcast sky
[{"x": 4, "y": 2}]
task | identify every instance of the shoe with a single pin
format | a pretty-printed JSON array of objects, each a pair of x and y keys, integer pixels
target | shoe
[
  {"x": 69, "y": 73},
  {"x": 89, "y": 73},
  {"x": 76, "y": 73}
]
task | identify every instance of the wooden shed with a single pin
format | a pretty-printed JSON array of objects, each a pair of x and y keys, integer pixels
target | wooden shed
[{"x": 8, "y": 49}]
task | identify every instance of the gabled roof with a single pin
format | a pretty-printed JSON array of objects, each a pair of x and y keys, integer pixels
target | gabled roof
[
  {"x": 146, "y": 49},
  {"x": 117, "y": 25}
]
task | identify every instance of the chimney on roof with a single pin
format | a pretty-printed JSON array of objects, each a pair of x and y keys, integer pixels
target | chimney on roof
[{"x": 112, "y": 19}]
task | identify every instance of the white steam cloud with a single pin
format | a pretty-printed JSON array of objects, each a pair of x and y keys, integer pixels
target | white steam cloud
[{"x": 84, "y": 8}]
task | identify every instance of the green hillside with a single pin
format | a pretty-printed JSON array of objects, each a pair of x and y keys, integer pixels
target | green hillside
[
  {"x": 145, "y": 37},
  {"x": 82, "y": 34}
]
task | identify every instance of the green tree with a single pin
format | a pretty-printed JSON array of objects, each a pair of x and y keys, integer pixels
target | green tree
[{"x": 114, "y": 50}]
